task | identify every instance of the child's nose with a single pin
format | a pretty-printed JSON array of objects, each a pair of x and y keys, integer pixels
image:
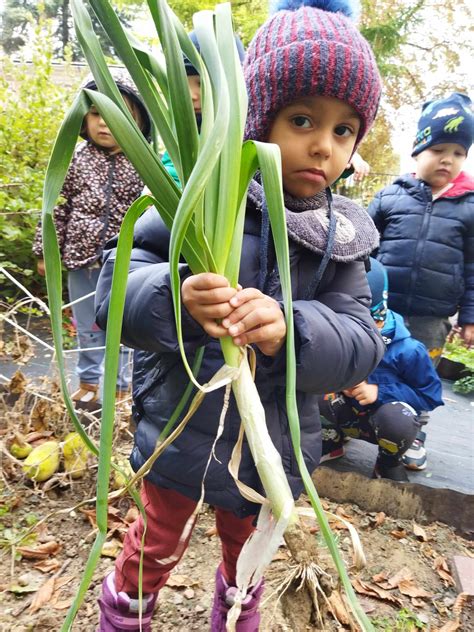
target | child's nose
[{"x": 321, "y": 144}]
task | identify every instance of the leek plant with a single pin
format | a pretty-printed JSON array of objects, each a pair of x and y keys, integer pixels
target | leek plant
[{"x": 206, "y": 220}]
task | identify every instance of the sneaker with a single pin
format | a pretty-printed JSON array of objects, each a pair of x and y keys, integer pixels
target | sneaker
[
  {"x": 337, "y": 453},
  {"x": 224, "y": 596},
  {"x": 415, "y": 457},
  {"x": 86, "y": 393},
  {"x": 394, "y": 472},
  {"x": 333, "y": 444},
  {"x": 119, "y": 612}
]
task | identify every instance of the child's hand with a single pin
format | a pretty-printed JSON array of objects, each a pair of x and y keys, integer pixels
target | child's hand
[
  {"x": 206, "y": 296},
  {"x": 257, "y": 319},
  {"x": 40, "y": 267},
  {"x": 364, "y": 393},
  {"x": 467, "y": 332}
]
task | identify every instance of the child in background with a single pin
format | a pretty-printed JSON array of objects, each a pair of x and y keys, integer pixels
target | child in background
[
  {"x": 426, "y": 224},
  {"x": 314, "y": 89},
  {"x": 194, "y": 83},
  {"x": 100, "y": 186},
  {"x": 384, "y": 408}
]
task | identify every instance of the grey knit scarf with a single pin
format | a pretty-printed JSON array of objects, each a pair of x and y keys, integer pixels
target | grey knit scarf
[{"x": 307, "y": 223}]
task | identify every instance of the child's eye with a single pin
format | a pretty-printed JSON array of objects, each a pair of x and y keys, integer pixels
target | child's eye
[
  {"x": 301, "y": 121},
  {"x": 343, "y": 130}
]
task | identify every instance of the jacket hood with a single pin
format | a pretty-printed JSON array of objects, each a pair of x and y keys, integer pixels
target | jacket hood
[
  {"x": 126, "y": 86},
  {"x": 394, "y": 329},
  {"x": 464, "y": 183}
]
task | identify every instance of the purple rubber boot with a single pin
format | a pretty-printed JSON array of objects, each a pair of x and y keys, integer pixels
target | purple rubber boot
[
  {"x": 119, "y": 612},
  {"x": 224, "y": 595}
]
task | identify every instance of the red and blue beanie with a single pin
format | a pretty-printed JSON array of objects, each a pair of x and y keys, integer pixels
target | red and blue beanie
[
  {"x": 449, "y": 120},
  {"x": 310, "y": 48}
]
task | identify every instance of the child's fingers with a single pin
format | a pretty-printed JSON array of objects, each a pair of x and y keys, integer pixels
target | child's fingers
[{"x": 263, "y": 333}]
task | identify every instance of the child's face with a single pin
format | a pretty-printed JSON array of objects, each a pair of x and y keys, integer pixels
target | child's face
[
  {"x": 194, "y": 83},
  {"x": 316, "y": 136},
  {"x": 440, "y": 164},
  {"x": 98, "y": 132}
]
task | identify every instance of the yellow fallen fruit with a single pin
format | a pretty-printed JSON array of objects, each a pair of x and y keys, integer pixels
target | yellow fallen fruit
[
  {"x": 75, "y": 455},
  {"x": 42, "y": 462},
  {"x": 20, "y": 450},
  {"x": 119, "y": 480}
]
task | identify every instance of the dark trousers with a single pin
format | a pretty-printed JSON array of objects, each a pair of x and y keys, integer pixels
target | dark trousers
[{"x": 392, "y": 426}]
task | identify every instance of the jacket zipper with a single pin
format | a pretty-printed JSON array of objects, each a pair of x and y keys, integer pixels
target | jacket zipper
[
  {"x": 108, "y": 195},
  {"x": 419, "y": 246}
]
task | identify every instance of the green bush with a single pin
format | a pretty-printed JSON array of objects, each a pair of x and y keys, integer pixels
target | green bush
[
  {"x": 31, "y": 110},
  {"x": 456, "y": 351}
]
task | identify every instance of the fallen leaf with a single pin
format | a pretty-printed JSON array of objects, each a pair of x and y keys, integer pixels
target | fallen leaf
[
  {"x": 404, "y": 574},
  {"x": 338, "y": 608},
  {"x": 47, "y": 566},
  {"x": 181, "y": 581},
  {"x": 379, "y": 519},
  {"x": 17, "y": 383},
  {"x": 63, "y": 604},
  {"x": 43, "y": 596},
  {"x": 408, "y": 587},
  {"x": 461, "y": 600},
  {"x": 420, "y": 533},
  {"x": 399, "y": 534},
  {"x": 340, "y": 512},
  {"x": 40, "y": 552},
  {"x": 417, "y": 603},
  {"x": 441, "y": 567},
  {"x": 380, "y": 579},
  {"x": 211, "y": 532},
  {"x": 450, "y": 626},
  {"x": 364, "y": 588},
  {"x": 47, "y": 591}
]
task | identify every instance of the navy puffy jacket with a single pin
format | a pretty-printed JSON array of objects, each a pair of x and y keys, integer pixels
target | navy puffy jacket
[
  {"x": 427, "y": 247},
  {"x": 336, "y": 346}
]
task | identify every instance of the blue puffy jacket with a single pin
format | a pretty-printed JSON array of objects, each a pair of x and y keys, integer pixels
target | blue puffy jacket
[
  {"x": 427, "y": 247},
  {"x": 405, "y": 373},
  {"x": 337, "y": 344}
]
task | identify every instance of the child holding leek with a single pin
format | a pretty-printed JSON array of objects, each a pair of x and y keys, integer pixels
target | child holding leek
[{"x": 313, "y": 89}]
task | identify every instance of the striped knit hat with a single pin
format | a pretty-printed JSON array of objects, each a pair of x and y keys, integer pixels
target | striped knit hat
[{"x": 309, "y": 48}]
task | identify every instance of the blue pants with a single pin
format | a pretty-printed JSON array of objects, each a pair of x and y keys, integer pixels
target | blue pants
[{"x": 89, "y": 366}]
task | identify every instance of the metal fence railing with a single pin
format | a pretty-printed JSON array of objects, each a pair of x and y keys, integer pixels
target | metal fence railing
[{"x": 363, "y": 192}]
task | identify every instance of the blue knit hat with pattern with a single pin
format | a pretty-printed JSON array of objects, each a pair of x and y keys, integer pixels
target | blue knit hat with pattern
[{"x": 448, "y": 120}]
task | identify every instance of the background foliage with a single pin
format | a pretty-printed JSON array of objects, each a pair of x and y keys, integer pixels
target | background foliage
[
  {"x": 32, "y": 107},
  {"x": 419, "y": 46}
]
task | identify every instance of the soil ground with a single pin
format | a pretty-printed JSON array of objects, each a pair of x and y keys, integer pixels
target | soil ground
[{"x": 423, "y": 596}]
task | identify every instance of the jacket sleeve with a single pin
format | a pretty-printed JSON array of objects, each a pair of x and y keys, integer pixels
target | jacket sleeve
[
  {"x": 375, "y": 211},
  {"x": 466, "y": 308},
  {"x": 337, "y": 343},
  {"x": 61, "y": 214},
  {"x": 418, "y": 384},
  {"x": 148, "y": 318}
]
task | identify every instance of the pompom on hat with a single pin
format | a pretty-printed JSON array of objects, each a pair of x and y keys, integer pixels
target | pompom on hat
[{"x": 310, "y": 48}]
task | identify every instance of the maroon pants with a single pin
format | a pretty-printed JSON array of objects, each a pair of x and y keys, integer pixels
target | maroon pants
[{"x": 167, "y": 512}]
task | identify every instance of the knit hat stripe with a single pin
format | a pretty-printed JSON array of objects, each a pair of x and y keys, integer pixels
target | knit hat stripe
[{"x": 309, "y": 52}]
